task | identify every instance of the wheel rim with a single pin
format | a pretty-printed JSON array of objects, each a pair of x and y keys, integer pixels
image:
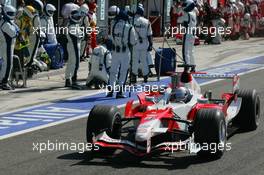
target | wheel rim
[
  {"x": 257, "y": 115},
  {"x": 222, "y": 133}
]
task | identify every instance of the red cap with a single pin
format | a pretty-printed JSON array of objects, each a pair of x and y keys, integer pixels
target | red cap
[{"x": 92, "y": 6}]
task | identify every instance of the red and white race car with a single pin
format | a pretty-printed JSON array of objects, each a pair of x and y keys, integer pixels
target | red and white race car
[{"x": 175, "y": 118}]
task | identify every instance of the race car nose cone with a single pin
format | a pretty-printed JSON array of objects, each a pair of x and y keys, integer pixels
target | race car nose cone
[
  {"x": 143, "y": 134},
  {"x": 145, "y": 130}
]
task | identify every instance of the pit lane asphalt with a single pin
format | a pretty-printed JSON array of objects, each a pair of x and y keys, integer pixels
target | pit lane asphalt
[{"x": 246, "y": 156}]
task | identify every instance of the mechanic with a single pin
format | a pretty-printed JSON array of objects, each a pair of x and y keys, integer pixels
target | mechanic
[
  {"x": 8, "y": 33},
  {"x": 140, "y": 52},
  {"x": 188, "y": 20},
  {"x": 100, "y": 64},
  {"x": 218, "y": 22},
  {"x": 37, "y": 33},
  {"x": 228, "y": 12},
  {"x": 241, "y": 12},
  {"x": 48, "y": 24},
  {"x": 254, "y": 15},
  {"x": 235, "y": 33},
  {"x": 123, "y": 35},
  {"x": 24, "y": 21},
  {"x": 65, "y": 12},
  {"x": 113, "y": 13},
  {"x": 73, "y": 46},
  {"x": 85, "y": 24},
  {"x": 92, "y": 11},
  {"x": 246, "y": 25}
]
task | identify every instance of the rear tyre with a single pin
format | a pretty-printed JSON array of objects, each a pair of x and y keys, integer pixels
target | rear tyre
[
  {"x": 249, "y": 114},
  {"x": 210, "y": 133},
  {"x": 104, "y": 118}
]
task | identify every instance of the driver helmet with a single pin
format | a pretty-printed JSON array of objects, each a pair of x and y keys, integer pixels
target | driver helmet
[{"x": 182, "y": 94}]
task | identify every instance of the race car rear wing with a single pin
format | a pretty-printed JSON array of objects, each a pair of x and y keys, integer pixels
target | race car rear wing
[{"x": 234, "y": 77}]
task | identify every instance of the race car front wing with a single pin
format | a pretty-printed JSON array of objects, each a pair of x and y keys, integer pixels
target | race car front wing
[{"x": 103, "y": 140}]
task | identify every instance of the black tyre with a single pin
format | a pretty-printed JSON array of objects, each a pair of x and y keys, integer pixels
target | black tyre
[
  {"x": 210, "y": 132},
  {"x": 249, "y": 114},
  {"x": 103, "y": 117},
  {"x": 57, "y": 59}
]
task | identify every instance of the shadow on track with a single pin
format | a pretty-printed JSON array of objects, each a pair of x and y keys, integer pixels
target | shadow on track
[{"x": 125, "y": 160}]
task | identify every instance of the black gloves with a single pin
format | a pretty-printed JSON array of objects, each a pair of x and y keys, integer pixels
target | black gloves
[{"x": 150, "y": 43}]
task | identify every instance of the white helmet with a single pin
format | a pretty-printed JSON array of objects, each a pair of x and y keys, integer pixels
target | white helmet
[
  {"x": 50, "y": 9},
  {"x": 9, "y": 12},
  {"x": 84, "y": 9},
  {"x": 38, "y": 5},
  {"x": 222, "y": 21},
  {"x": 247, "y": 16},
  {"x": 140, "y": 5},
  {"x": 68, "y": 8},
  {"x": 182, "y": 94},
  {"x": 127, "y": 8},
  {"x": 261, "y": 21},
  {"x": 113, "y": 11},
  {"x": 232, "y": 1},
  {"x": 76, "y": 16}
]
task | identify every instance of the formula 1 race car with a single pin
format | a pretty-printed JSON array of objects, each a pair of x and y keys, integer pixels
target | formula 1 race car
[{"x": 176, "y": 118}]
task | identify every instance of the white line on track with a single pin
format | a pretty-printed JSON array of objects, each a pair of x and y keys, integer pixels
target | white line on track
[
  {"x": 38, "y": 112},
  {"x": 37, "y": 116}
]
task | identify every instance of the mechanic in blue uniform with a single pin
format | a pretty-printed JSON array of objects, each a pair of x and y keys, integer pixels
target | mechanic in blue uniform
[
  {"x": 140, "y": 52},
  {"x": 8, "y": 33},
  {"x": 73, "y": 46},
  {"x": 123, "y": 35},
  {"x": 189, "y": 21}
]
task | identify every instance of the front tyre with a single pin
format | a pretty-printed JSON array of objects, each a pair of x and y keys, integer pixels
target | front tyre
[
  {"x": 210, "y": 132},
  {"x": 249, "y": 114},
  {"x": 103, "y": 118}
]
